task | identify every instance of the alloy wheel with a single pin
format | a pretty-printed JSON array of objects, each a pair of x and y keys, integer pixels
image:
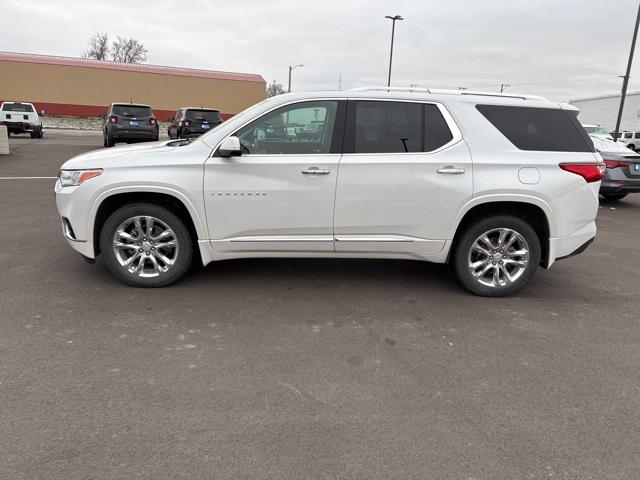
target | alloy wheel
[
  {"x": 145, "y": 246},
  {"x": 498, "y": 257}
]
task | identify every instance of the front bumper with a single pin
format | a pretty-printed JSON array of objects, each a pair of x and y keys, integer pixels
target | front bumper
[
  {"x": 73, "y": 220},
  {"x": 569, "y": 245}
]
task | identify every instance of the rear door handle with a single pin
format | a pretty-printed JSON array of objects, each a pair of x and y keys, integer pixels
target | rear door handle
[
  {"x": 316, "y": 171},
  {"x": 450, "y": 170}
]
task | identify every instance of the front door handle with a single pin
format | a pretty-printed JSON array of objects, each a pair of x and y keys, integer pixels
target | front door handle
[
  {"x": 316, "y": 171},
  {"x": 451, "y": 170}
]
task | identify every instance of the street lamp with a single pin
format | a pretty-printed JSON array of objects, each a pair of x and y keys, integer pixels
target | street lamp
[
  {"x": 292, "y": 68},
  {"x": 393, "y": 30}
]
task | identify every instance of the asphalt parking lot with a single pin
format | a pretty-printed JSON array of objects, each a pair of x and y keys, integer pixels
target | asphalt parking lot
[{"x": 316, "y": 369}]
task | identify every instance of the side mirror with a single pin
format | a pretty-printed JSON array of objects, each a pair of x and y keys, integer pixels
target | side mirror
[{"x": 230, "y": 147}]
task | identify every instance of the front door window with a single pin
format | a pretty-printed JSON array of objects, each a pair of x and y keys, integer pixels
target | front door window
[{"x": 300, "y": 129}]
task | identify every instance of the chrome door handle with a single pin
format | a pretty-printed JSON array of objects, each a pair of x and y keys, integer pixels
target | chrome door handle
[
  {"x": 451, "y": 170},
  {"x": 316, "y": 171}
]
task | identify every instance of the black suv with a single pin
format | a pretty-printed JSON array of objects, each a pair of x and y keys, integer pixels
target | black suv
[
  {"x": 127, "y": 122},
  {"x": 191, "y": 122}
]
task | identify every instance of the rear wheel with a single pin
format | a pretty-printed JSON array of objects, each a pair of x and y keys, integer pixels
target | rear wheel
[
  {"x": 108, "y": 142},
  {"x": 614, "y": 196},
  {"x": 146, "y": 245},
  {"x": 497, "y": 256}
]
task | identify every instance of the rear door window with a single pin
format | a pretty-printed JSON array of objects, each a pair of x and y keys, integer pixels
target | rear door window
[
  {"x": 131, "y": 111},
  {"x": 436, "y": 130},
  {"x": 395, "y": 127},
  {"x": 539, "y": 129},
  {"x": 387, "y": 127}
]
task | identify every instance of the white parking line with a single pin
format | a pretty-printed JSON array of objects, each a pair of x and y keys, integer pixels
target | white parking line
[{"x": 28, "y": 178}]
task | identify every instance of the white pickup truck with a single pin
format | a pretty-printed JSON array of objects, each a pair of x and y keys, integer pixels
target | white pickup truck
[{"x": 20, "y": 117}]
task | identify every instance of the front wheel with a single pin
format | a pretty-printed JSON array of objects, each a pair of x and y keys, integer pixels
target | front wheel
[
  {"x": 146, "y": 245},
  {"x": 497, "y": 256}
]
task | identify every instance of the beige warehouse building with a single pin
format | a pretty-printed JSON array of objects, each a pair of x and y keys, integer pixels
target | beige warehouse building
[{"x": 83, "y": 87}]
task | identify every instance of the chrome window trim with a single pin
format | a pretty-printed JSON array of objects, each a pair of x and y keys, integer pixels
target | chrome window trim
[{"x": 451, "y": 123}]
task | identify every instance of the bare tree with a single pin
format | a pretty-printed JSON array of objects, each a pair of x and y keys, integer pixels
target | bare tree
[
  {"x": 274, "y": 89},
  {"x": 98, "y": 47},
  {"x": 128, "y": 50}
]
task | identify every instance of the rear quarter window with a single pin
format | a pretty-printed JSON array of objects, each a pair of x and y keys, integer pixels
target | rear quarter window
[{"x": 539, "y": 129}]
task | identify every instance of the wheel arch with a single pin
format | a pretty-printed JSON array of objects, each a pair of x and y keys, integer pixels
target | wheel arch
[
  {"x": 173, "y": 200},
  {"x": 536, "y": 213}
]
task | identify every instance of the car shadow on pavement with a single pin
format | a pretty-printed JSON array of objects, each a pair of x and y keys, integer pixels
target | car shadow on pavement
[
  {"x": 623, "y": 204},
  {"x": 327, "y": 273}
]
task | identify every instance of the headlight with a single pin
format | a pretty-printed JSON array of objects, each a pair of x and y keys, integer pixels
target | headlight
[{"x": 72, "y": 178}]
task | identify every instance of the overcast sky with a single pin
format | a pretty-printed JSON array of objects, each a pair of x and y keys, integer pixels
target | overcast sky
[{"x": 562, "y": 49}]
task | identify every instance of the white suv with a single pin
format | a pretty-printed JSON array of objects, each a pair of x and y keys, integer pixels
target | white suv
[{"x": 494, "y": 184}]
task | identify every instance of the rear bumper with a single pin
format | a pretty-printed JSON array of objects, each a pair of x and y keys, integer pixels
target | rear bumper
[
  {"x": 20, "y": 127},
  {"x": 627, "y": 187},
  {"x": 134, "y": 135},
  {"x": 570, "y": 245}
]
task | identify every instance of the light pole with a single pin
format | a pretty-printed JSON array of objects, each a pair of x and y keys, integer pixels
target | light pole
[
  {"x": 625, "y": 79},
  {"x": 393, "y": 31},
  {"x": 292, "y": 68}
]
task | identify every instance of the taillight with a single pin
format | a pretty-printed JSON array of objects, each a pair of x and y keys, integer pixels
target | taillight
[
  {"x": 591, "y": 172},
  {"x": 153, "y": 121},
  {"x": 113, "y": 119},
  {"x": 187, "y": 123},
  {"x": 615, "y": 163}
]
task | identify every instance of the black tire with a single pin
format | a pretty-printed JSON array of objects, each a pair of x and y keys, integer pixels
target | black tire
[
  {"x": 109, "y": 142},
  {"x": 40, "y": 133},
  {"x": 33, "y": 134},
  {"x": 462, "y": 256},
  {"x": 182, "y": 255},
  {"x": 614, "y": 197}
]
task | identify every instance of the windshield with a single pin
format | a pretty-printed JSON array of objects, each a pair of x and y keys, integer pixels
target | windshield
[
  {"x": 17, "y": 107},
  {"x": 131, "y": 111},
  {"x": 609, "y": 146},
  {"x": 596, "y": 131},
  {"x": 211, "y": 116}
]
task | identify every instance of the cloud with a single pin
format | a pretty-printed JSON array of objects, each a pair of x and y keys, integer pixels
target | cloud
[{"x": 558, "y": 49}]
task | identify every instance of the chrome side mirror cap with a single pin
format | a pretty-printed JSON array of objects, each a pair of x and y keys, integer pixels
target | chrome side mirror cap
[{"x": 230, "y": 147}]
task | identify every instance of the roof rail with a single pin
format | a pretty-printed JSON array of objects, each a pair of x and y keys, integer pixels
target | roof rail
[
  {"x": 439, "y": 91},
  {"x": 391, "y": 89}
]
